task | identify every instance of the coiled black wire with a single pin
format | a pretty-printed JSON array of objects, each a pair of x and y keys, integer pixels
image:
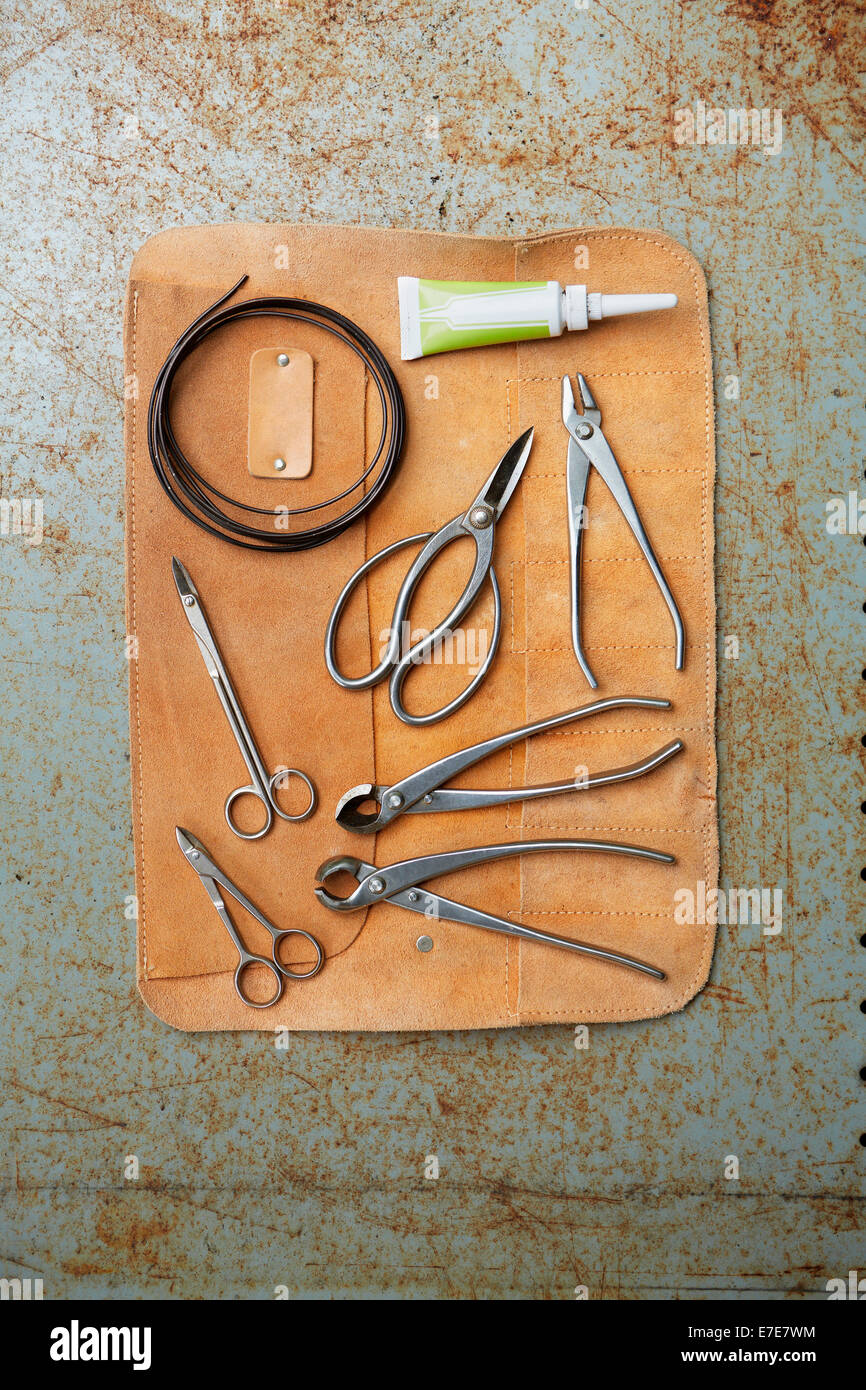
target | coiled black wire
[{"x": 197, "y": 498}]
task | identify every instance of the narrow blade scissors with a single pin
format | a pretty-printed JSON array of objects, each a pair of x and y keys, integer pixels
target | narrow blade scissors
[
  {"x": 261, "y": 786},
  {"x": 479, "y": 522},
  {"x": 401, "y": 883},
  {"x": 588, "y": 448},
  {"x": 212, "y": 879}
]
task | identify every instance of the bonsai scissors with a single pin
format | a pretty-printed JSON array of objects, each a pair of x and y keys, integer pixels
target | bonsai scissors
[
  {"x": 261, "y": 786},
  {"x": 479, "y": 522},
  {"x": 212, "y": 879},
  {"x": 588, "y": 448}
]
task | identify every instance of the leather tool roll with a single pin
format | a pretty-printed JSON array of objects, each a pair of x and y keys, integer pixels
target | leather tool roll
[{"x": 652, "y": 377}]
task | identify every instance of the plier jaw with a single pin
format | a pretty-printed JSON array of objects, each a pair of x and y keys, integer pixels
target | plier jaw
[
  {"x": 357, "y": 869},
  {"x": 571, "y": 417},
  {"x": 350, "y": 815}
]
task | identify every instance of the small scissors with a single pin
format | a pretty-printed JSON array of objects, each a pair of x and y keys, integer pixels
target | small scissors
[
  {"x": 261, "y": 786},
  {"x": 402, "y": 884},
  {"x": 588, "y": 448},
  {"x": 479, "y": 522},
  {"x": 195, "y": 852}
]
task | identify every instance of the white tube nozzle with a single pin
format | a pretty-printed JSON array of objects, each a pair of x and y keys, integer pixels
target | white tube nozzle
[{"x": 608, "y": 306}]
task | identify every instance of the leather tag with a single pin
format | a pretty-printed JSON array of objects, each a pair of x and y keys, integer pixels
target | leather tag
[{"x": 280, "y": 443}]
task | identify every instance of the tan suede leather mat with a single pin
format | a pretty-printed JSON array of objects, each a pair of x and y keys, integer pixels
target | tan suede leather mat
[{"x": 653, "y": 381}]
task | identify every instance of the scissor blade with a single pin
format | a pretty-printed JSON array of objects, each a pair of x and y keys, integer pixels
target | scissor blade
[
  {"x": 182, "y": 580},
  {"x": 194, "y": 613},
  {"x": 196, "y": 854},
  {"x": 212, "y": 878},
  {"x": 499, "y": 487},
  {"x": 188, "y": 841}
]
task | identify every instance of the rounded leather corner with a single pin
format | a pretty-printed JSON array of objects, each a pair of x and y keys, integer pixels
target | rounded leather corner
[
  {"x": 157, "y": 998},
  {"x": 150, "y": 252}
]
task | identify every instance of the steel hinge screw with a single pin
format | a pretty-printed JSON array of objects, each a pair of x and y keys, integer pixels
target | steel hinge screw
[{"x": 480, "y": 518}]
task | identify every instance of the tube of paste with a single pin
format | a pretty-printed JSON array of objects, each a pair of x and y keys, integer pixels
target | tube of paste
[{"x": 439, "y": 315}]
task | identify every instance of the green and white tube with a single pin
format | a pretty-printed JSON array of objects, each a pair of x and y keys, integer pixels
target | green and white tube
[{"x": 441, "y": 315}]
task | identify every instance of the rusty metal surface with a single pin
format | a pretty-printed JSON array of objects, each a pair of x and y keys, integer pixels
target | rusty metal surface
[{"x": 558, "y": 1167}]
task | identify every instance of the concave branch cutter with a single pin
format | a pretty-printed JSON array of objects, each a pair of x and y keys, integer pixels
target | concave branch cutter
[
  {"x": 588, "y": 448},
  {"x": 423, "y": 791},
  {"x": 401, "y": 883}
]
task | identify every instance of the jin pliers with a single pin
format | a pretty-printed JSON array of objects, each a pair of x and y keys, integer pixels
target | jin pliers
[{"x": 588, "y": 448}]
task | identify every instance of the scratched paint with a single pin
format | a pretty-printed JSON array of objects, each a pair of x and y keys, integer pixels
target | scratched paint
[{"x": 558, "y": 1167}]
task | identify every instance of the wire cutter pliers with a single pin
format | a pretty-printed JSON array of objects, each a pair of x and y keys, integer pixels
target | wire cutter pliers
[
  {"x": 588, "y": 448},
  {"x": 402, "y": 883},
  {"x": 423, "y": 791}
]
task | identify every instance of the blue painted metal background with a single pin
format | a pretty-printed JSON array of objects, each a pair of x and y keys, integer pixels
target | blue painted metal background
[{"x": 558, "y": 1167}]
